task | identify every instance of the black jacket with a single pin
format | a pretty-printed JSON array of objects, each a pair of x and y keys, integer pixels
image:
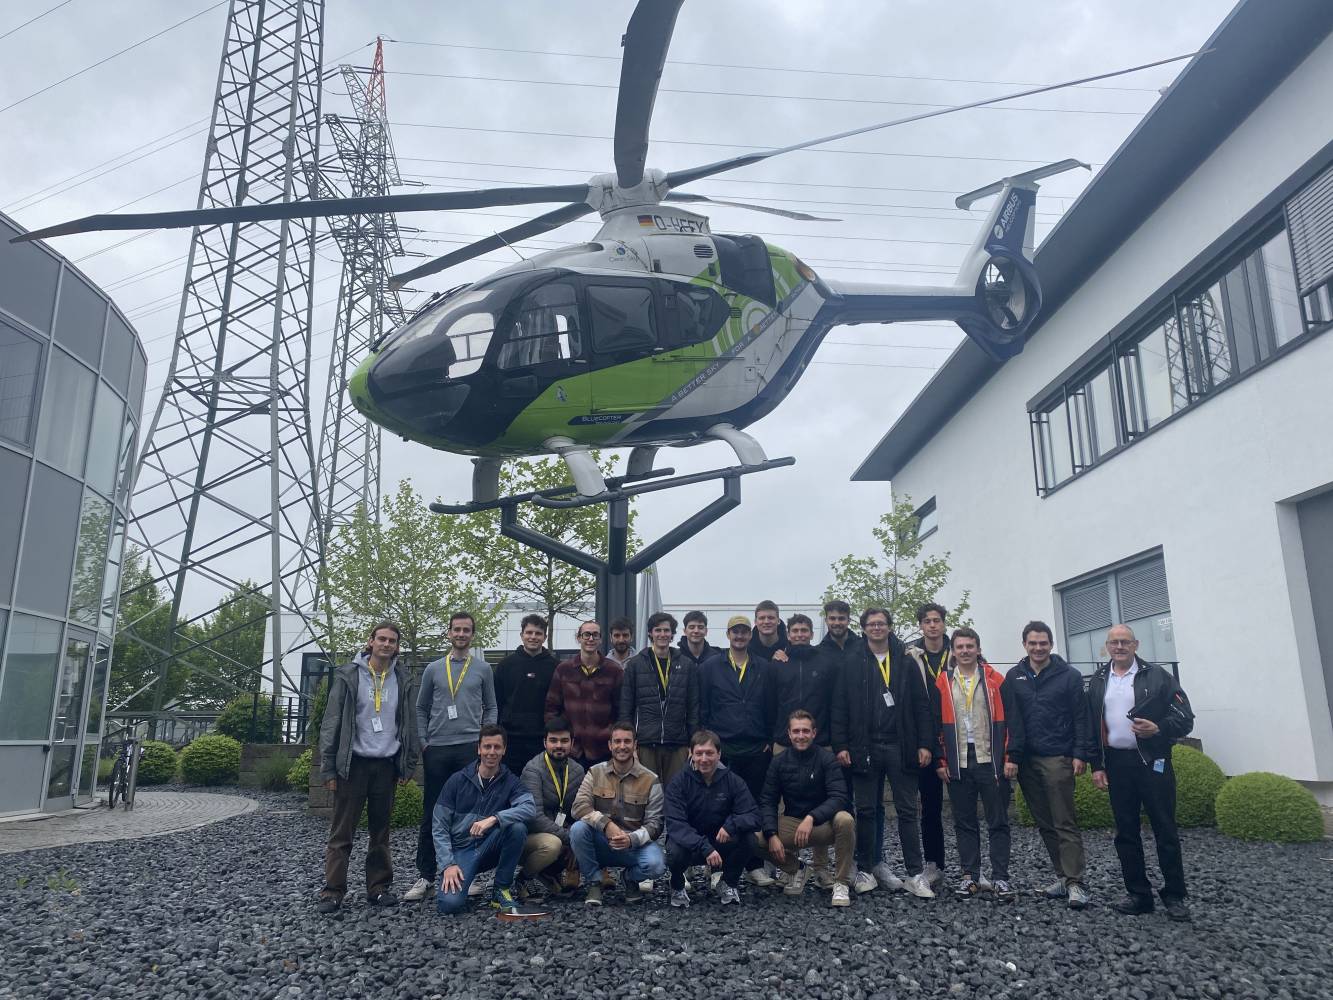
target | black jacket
[
  {"x": 859, "y": 686},
  {"x": 521, "y": 683},
  {"x": 809, "y": 784},
  {"x": 1053, "y": 707},
  {"x": 695, "y": 811},
  {"x": 740, "y": 713},
  {"x": 840, "y": 654},
  {"x": 684, "y": 646},
  {"x": 757, "y": 647},
  {"x": 660, "y": 720},
  {"x": 805, "y": 681},
  {"x": 1157, "y": 698}
]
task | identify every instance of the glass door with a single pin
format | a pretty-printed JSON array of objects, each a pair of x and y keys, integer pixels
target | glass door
[
  {"x": 67, "y": 724},
  {"x": 92, "y": 730}
]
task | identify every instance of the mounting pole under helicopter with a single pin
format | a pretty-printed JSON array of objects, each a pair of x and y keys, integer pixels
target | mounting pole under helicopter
[{"x": 617, "y": 573}]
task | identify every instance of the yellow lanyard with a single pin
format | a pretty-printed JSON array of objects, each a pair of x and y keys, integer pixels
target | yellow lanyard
[
  {"x": 377, "y": 682},
  {"x": 588, "y": 671},
  {"x": 740, "y": 671},
  {"x": 662, "y": 674},
  {"x": 885, "y": 669},
  {"x": 935, "y": 670},
  {"x": 448, "y": 669},
  {"x": 969, "y": 689},
  {"x": 560, "y": 788}
]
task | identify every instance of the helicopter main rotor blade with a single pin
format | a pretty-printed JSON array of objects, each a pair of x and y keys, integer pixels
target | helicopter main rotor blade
[
  {"x": 677, "y": 178},
  {"x": 317, "y": 209},
  {"x": 785, "y": 213},
  {"x": 645, "y": 43},
  {"x": 533, "y": 227}
]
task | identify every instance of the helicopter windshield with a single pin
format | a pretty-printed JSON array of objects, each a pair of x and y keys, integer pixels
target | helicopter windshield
[{"x": 467, "y": 319}]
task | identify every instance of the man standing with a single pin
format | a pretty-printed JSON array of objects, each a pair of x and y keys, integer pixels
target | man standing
[
  {"x": 1047, "y": 695},
  {"x": 694, "y": 645},
  {"x": 809, "y": 783},
  {"x": 711, "y": 819},
  {"x": 737, "y": 701},
  {"x": 770, "y": 638},
  {"x": 480, "y": 823},
  {"x": 839, "y": 638},
  {"x": 521, "y": 681},
  {"x": 882, "y": 728},
  {"x": 367, "y": 741},
  {"x": 619, "y": 813},
  {"x": 931, "y": 653},
  {"x": 980, "y": 749},
  {"x": 585, "y": 689},
  {"x": 457, "y": 698},
  {"x": 1140, "y": 711},
  {"x": 553, "y": 779},
  {"x": 622, "y": 641},
  {"x": 660, "y": 696}
]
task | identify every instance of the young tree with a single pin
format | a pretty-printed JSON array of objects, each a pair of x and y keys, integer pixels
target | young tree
[
  {"x": 411, "y": 566},
  {"x": 898, "y": 577},
  {"x": 143, "y": 623},
  {"x": 232, "y": 662},
  {"x": 531, "y": 577}
]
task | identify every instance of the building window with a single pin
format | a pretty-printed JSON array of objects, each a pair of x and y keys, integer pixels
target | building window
[
  {"x": 927, "y": 520},
  {"x": 20, "y": 366},
  {"x": 32, "y": 660},
  {"x": 67, "y": 405},
  {"x": 1135, "y": 595}
]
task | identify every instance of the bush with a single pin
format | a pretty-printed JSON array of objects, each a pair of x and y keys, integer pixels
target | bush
[
  {"x": 406, "y": 806},
  {"x": 1092, "y": 807},
  {"x": 243, "y": 720},
  {"x": 1198, "y": 781},
  {"x": 211, "y": 760},
  {"x": 1264, "y": 806},
  {"x": 298, "y": 776},
  {"x": 104, "y": 767},
  {"x": 272, "y": 772},
  {"x": 157, "y": 763}
]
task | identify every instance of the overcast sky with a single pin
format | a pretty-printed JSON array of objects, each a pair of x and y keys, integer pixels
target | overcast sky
[{"x": 775, "y": 73}]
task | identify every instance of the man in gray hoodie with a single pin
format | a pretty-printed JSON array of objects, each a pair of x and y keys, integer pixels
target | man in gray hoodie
[{"x": 457, "y": 698}]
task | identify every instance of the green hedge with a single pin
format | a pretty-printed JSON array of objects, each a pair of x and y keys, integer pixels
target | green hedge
[
  {"x": 298, "y": 777},
  {"x": 1264, "y": 806},
  {"x": 272, "y": 772},
  {"x": 242, "y": 720},
  {"x": 406, "y": 806},
  {"x": 158, "y": 763},
  {"x": 211, "y": 760},
  {"x": 104, "y": 767}
]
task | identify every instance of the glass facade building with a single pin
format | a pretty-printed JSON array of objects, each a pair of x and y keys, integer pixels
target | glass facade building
[{"x": 71, "y": 392}]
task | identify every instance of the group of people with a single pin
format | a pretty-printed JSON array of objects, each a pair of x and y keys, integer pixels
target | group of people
[{"x": 556, "y": 774}]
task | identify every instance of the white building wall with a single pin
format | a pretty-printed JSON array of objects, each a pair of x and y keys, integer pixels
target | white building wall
[{"x": 1206, "y": 488}]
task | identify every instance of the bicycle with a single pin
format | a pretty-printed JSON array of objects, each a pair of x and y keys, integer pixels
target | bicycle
[{"x": 118, "y": 787}]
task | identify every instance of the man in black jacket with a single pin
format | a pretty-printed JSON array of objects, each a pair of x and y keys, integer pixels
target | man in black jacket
[
  {"x": 1140, "y": 711},
  {"x": 805, "y": 681},
  {"x": 521, "y": 681},
  {"x": 694, "y": 644},
  {"x": 1048, "y": 695},
  {"x": 770, "y": 639},
  {"x": 711, "y": 819},
  {"x": 660, "y": 695},
  {"x": 882, "y": 728},
  {"x": 931, "y": 653},
  {"x": 809, "y": 783}
]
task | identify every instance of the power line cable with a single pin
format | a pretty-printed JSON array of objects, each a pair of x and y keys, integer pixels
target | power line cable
[
  {"x": 114, "y": 55},
  {"x": 33, "y": 20}
]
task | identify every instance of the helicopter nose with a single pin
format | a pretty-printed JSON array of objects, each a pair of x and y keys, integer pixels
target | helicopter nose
[{"x": 420, "y": 400}]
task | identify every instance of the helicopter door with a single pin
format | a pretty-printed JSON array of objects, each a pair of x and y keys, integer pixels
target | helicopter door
[
  {"x": 623, "y": 316},
  {"x": 542, "y": 364}
]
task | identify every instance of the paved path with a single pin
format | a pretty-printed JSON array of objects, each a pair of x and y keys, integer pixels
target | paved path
[{"x": 155, "y": 813}]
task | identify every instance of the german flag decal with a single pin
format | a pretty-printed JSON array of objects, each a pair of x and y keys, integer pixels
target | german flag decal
[{"x": 646, "y": 221}]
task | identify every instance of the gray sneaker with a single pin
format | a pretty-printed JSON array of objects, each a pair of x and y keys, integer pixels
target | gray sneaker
[
  {"x": 863, "y": 882},
  {"x": 1078, "y": 897},
  {"x": 727, "y": 894},
  {"x": 421, "y": 888},
  {"x": 680, "y": 897},
  {"x": 917, "y": 886},
  {"x": 1056, "y": 890},
  {"x": 885, "y": 878},
  {"x": 592, "y": 895},
  {"x": 934, "y": 877}
]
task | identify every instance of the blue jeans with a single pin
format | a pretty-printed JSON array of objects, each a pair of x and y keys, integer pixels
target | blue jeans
[
  {"x": 595, "y": 852},
  {"x": 500, "y": 849}
]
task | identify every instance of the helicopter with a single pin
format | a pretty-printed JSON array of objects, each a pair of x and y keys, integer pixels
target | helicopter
[{"x": 657, "y": 331}]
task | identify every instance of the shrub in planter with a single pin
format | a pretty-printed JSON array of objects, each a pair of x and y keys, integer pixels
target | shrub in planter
[
  {"x": 406, "y": 806},
  {"x": 1198, "y": 780},
  {"x": 243, "y": 720},
  {"x": 298, "y": 775},
  {"x": 157, "y": 763},
  {"x": 272, "y": 772},
  {"x": 1092, "y": 807},
  {"x": 1264, "y": 806},
  {"x": 211, "y": 760}
]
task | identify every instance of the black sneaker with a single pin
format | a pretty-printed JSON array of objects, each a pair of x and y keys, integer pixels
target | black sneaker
[
  {"x": 633, "y": 894},
  {"x": 385, "y": 898},
  {"x": 1133, "y": 906},
  {"x": 1177, "y": 910},
  {"x": 328, "y": 904},
  {"x": 1004, "y": 892}
]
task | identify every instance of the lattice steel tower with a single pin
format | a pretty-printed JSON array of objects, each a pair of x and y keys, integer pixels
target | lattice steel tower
[{"x": 226, "y": 488}]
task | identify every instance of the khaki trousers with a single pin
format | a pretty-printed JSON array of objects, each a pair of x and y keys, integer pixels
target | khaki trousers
[
  {"x": 1048, "y": 788},
  {"x": 540, "y": 852},
  {"x": 840, "y": 833},
  {"x": 664, "y": 761}
]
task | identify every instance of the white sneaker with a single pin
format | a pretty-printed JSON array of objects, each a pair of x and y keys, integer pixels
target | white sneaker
[
  {"x": 917, "y": 886},
  {"x": 727, "y": 895},
  {"x": 1056, "y": 890},
  {"x": 864, "y": 882},
  {"x": 886, "y": 879},
  {"x": 646, "y": 886},
  {"x": 933, "y": 874},
  {"x": 759, "y": 877},
  {"x": 680, "y": 897},
  {"x": 715, "y": 879},
  {"x": 796, "y": 883},
  {"x": 841, "y": 897},
  {"x": 420, "y": 890}
]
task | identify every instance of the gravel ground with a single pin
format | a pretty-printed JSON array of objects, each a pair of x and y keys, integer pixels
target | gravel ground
[{"x": 228, "y": 911}]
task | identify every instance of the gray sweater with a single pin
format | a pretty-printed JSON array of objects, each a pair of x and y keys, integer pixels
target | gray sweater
[{"x": 475, "y": 702}]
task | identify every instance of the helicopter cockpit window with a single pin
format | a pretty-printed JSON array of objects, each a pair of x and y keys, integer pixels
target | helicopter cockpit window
[
  {"x": 700, "y": 314},
  {"x": 471, "y": 335},
  {"x": 545, "y": 328},
  {"x": 623, "y": 320}
]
